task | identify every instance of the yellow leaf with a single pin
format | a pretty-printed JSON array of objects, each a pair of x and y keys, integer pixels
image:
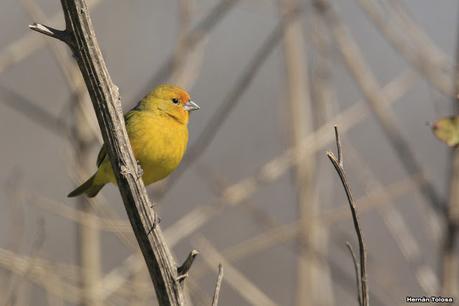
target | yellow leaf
[{"x": 447, "y": 130}]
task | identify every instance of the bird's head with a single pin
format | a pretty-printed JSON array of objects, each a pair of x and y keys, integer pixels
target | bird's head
[{"x": 170, "y": 100}]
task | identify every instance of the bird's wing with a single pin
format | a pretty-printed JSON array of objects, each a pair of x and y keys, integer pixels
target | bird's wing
[{"x": 103, "y": 150}]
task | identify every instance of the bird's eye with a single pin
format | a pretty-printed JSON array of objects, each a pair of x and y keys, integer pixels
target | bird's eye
[{"x": 175, "y": 101}]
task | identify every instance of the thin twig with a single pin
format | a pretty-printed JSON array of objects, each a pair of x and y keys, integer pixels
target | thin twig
[
  {"x": 357, "y": 272},
  {"x": 338, "y": 146},
  {"x": 395, "y": 222},
  {"x": 362, "y": 252},
  {"x": 51, "y": 32},
  {"x": 218, "y": 286},
  {"x": 185, "y": 267}
]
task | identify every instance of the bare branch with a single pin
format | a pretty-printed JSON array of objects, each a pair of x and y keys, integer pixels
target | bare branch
[
  {"x": 106, "y": 102},
  {"x": 218, "y": 286},
  {"x": 51, "y": 32},
  {"x": 362, "y": 252},
  {"x": 338, "y": 147},
  {"x": 395, "y": 222},
  {"x": 357, "y": 272}
]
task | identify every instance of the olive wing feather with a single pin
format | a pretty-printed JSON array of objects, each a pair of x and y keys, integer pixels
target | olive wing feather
[{"x": 103, "y": 150}]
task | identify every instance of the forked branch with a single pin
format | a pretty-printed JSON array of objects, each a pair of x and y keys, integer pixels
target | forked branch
[{"x": 362, "y": 278}]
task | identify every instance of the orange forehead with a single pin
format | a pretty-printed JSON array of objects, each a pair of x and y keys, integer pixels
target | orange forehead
[{"x": 168, "y": 91}]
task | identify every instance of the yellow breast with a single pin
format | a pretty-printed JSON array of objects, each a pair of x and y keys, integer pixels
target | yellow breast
[{"x": 159, "y": 143}]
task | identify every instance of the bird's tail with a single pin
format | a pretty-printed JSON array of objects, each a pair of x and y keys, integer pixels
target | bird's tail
[{"x": 88, "y": 187}]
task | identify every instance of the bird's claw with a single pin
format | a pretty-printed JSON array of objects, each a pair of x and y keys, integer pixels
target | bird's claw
[{"x": 139, "y": 170}]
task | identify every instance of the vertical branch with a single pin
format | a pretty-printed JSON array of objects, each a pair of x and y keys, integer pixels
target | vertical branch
[
  {"x": 338, "y": 164},
  {"x": 79, "y": 36}
]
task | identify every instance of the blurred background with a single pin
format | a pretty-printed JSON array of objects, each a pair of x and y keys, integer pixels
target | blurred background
[{"x": 256, "y": 192}]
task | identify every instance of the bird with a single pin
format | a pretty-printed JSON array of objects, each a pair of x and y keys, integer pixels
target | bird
[{"x": 157, "y": 128}]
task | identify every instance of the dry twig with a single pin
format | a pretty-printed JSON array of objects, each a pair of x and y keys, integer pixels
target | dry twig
[
  {"x": 338, "y": 164},
  {"x": 218, "y": 285},
  {"x": 356, "y": 271}
]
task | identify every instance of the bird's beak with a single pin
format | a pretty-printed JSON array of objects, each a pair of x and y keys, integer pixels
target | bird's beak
[{"x": 191, "y": 106}]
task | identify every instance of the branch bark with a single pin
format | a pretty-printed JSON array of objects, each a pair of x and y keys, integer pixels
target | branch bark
[{"x": 80, "y": 37}]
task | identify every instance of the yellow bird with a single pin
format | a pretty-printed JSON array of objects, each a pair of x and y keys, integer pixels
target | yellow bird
[{"x": 158, "y": 131}]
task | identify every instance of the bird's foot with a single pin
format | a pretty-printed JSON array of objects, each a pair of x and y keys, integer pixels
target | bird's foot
[{"x": 139, "y": 170}]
